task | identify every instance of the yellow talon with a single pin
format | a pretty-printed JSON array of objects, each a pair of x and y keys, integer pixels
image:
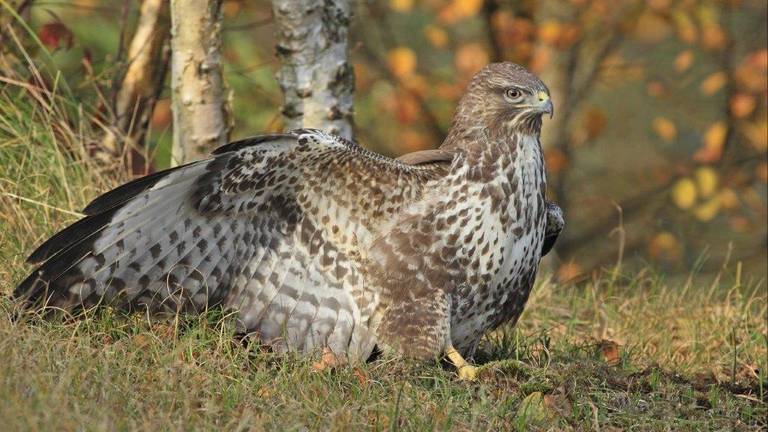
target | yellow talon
[{"x": 466, "y": 370}]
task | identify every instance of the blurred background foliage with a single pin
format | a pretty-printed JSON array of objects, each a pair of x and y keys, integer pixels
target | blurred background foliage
[{"x": 658, "y": 148}]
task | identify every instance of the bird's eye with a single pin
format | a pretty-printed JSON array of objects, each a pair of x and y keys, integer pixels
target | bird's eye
[{"x": 513, "y": 93}]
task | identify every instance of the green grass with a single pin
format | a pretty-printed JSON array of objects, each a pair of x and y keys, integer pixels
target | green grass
[{"x": 633, "y": 351}]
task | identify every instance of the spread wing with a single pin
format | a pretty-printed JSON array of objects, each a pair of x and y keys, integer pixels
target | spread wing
[{"x": 271, "y": 226}]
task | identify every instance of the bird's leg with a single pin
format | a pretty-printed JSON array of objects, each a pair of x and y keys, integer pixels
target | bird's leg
[{"x": 466, "y": 371}]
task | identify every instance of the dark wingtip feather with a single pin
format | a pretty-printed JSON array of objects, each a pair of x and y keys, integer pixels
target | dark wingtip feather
[
  {"x": 125, "y": 192},
  {"x": 70, "y": 235}
]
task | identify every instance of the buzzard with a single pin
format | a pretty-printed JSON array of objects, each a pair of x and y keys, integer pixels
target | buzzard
[{"x": 319, "y": 244}]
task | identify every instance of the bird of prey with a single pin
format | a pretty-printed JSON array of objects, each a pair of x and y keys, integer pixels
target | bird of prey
[{"x": 318, "y": 244}]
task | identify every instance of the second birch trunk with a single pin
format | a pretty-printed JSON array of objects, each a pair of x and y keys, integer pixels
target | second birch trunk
[
  {"x": 316, "y": 77},
  {"x": 200, "y": 106}
]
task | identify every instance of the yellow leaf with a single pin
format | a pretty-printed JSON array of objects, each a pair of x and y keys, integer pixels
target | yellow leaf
[
  {"x": 708, "y": 210},
  {"x": 757, "y": 133},
  {"x": 713, "y": 37},
  {"x": 467, "y": 8},
  {"x": 436, "y": 36},
  {"x": 658, "y": 5},
  {"x": 569, "y": 271},
  {"x": 683, "y": 61},
  {"x": 470, "y": 58},
  {"x": 656, "y": 88},
  {"x": 594, "y": 122},
  {"x": 742, "y": 105},
  {"x": 762, "y": 171},
  {"x": 401, "y": 5},
  {"x": 664, "y": 245},
  {"x": 549, "y": 32},
  {"x": 713, "y": 83},
  {"x": 728, "y": 198},
  {"x": 686, "y": 28},
  {"x": 684, "y": 193},
  {"x": 459, "y": 9},
  {"x": 664, "y": 128},
  {"x": 651, "y": 27},
  {"x": 402, "y": 61},
  {"x": 706, "y": 180},
  {"x": 714, "y": 138}
]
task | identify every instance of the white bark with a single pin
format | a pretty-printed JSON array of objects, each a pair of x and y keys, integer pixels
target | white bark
[
  {"x": 200, "y": 106},
  {"x": 316, "y": 77},
  {"x": 136, "y": 94}
]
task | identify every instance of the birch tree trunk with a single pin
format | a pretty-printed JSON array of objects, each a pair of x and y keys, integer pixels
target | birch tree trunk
[
  {"x": 316, "y": 78},
  {"x": 135, "y": 99},
  {"x": 201, "y": 118}
]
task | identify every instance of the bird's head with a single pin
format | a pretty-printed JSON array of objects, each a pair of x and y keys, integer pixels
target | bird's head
[{"x": 504, "y": 97}]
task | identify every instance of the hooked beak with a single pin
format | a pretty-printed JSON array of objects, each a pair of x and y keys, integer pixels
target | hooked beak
[{"x": 545, "y": 104}]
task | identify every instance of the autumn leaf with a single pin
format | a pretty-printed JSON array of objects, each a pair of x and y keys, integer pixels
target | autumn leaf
[
  {"x": 467, "y": 8},
  {"x": 459, "y": 9},
  {"x": 707, "y": 210},
  {"x": 664, "y": 245},
  {"x": 728, "y": 198},
  {"x": 707, "y": 181},
  {"x": 470, "y": 58},
  {"x": 658, "y": 5},
  {"x": 684, "y": 193},
  {"x": 53, "y": 34},
  {"x": 651, "y": 28},
  {"x": 656, "y": 88},
  {"x": 569, "y": 271},
  {"x": 436, "y": 36},
  {"x": 549, "y": 32},
  {"x": 762, "y": 171},
  {"x": 712, "y": 36},
  {"x": 742, "y": 105},
  {"x": 610, "y": 352},
  {"x": 664, "y": 128},
  {"x": 231, "y": 8},
  {"x": 361, "y": 377},
  {"x": 683, "y": 61},
  {"x": 407, "y": 108},
  {"x": 684, "y": 26},
  {"x": 555, "y": 160},
  {"x": 757, "y": 134},
  {"x": 410, "y": 140},
  {"x": 161, "y": 114},
  {"x": 750, "y": 77},
  {"x": 594, "y": 122},
  {"x": 401, "y": 61},
  {"x": 713, "y": 82},
  {"x": 401, "y": 5},
  {"x": 714, "y": 139}
]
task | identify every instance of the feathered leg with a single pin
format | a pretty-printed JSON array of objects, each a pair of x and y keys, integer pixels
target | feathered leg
[{"x": 421, "y": 328}]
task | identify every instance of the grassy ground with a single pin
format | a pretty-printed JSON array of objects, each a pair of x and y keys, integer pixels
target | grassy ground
[{"x": 615, "y": 352}]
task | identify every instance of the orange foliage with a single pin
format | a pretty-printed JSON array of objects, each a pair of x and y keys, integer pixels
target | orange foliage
[
  {"x": 683, "y": 61},
  {"x": 401, "y": 61},
  {"x": 470, "y": 58},
  {"x": 714, "y": 139},
  {"x": 664, "y": 128},
  {"x": 459, "y": 9},
  {"x": 436, "y": 36},
  {"x": 742, "y": 105},
  {"x": 713, "y": 82},
  {"x": 555, "y": 160}
]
